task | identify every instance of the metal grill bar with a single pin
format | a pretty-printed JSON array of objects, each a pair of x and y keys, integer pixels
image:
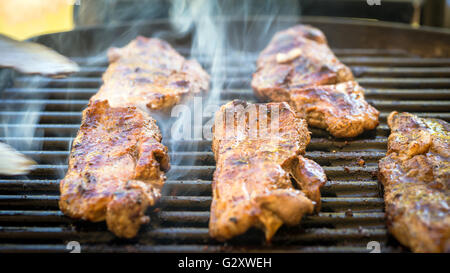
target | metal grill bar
[
  {"x": 202, "y": 187},
  {"x": 370, "y": 82},
  {"x": 197, "y": 202},
  {"x": 74, "y": 95},
  {"x": 145, "y": 248},
  {"x": 316, "y": 235},
  {"x": 360, "y": 71},
  {"x": 196, "y": 218},
  {"x": 207, "y": 157}
]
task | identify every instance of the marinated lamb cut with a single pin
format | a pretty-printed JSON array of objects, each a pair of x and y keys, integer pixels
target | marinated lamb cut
[
  {"x": 116, "y": 168},
  {"x": 339, "y": 108},
  {"x": 296, "y": 58},
  {"x": 298, "y": 67},
  {"x": 262, "y": 179},
  {"x": 416, "y": 176},
  {"x": 117, "y": 163},
  {"x": 150, "y": 74}
]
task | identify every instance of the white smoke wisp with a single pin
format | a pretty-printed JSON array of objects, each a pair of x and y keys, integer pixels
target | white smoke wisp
[
  {"x": 229, "y": 31},
  {"x": 225, "y": 32},
  {"x": 208, "y": 40},
  {"x": 18, "y": 122}
]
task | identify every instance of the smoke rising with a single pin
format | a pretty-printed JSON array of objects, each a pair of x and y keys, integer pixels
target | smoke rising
[{"x": 224, "y": 34}]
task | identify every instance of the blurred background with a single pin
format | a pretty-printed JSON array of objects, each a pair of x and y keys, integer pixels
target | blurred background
[{"x": 22, "y": 19}]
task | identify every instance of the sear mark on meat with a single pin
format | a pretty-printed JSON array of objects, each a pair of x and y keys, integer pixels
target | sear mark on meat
[
  {"x": 298, "y": 67},
  {"x": 340, "y": 108},
  {"x": 150, "y": 74},
  {"x": 116, "y": 168}
]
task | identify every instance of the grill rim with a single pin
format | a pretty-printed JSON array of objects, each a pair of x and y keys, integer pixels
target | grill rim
[{"x": 429, "y": 37}]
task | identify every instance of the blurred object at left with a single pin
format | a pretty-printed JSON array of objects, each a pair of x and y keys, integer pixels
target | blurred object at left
[
  {"x": 33, "y": 58},
  {"x": 22, "y": 19},
  {"x": 12, "y": 162}
]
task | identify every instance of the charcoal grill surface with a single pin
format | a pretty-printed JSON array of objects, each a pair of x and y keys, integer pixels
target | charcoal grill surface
[{"x": 353, "y": 209}]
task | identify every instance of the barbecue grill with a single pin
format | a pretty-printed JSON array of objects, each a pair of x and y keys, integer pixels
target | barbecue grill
[{"x": 402, "y": 69}]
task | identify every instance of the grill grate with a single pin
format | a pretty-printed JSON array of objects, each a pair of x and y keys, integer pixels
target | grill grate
[{"x": 352, "y": 212}]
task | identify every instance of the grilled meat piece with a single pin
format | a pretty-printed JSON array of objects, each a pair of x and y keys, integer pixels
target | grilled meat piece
[
  {"x": 116, "y": 168},
  {"x": 338, "y": 108},
  {"x": 252, "y": 184},
  {"x": 416, "y": 177},
  {"x": 296, "y": 58},
  {"x": 298, "y": 67},
  {"x": 149, "y": 73}
]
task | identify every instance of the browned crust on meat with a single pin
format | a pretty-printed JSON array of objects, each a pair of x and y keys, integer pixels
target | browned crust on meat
[
  {"x": 116, "y": 168},
  {"x": 416, "y": 174},
  {"x": 298, "y": 67},
  {"x": 340, "y": 108},
  {"x": 150, "y": 74},
  {"x": 252, "y": 184}
]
